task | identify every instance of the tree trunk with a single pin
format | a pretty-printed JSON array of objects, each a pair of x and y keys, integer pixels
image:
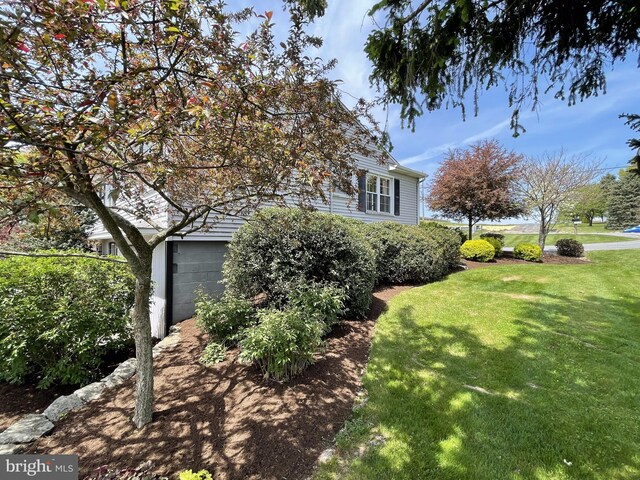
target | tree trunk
[
  {"x": 470, "y": 228},
  {"x": 542, "y": 233},
  {"x": 143, "y": 411}
]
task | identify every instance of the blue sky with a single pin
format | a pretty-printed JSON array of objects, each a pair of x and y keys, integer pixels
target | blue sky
[{"x": 589, "y": 128}]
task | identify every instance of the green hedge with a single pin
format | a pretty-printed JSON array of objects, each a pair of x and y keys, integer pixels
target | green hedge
[
  {"x": 279, "y": 249},
  {"x": 568, "y": 247},
  {"x": 528, "y": 251},
  {"x": 478, "y": 250},
  {"x": 59, "y": 317},
  {"x": 496, "y": 244},
  {"x": 411, "y": 254}
]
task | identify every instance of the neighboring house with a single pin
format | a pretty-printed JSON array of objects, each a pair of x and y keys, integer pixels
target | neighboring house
[{"x": 181, "y": 265}]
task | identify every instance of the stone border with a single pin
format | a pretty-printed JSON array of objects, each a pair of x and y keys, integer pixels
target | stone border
[{"x": 33, "y": 426}]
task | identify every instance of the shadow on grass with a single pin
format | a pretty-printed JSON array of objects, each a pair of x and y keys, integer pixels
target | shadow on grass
[{"x": 558, "y": 400}]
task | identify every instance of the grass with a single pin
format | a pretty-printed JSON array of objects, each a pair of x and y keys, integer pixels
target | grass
[
  {"x": 510, "y": 372},
  {"x": 511, "y": 239}
]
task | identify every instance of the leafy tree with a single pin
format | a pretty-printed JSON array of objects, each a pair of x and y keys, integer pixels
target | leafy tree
[
  {"x": 548, "y": 185},
  {"x": 590, "y": 201},
  {"x": 164, "y": 105},
  {"x": 623, "y": 203},
  {"x": 477, "y": 184},
  {"x": 42, "y": 225}
]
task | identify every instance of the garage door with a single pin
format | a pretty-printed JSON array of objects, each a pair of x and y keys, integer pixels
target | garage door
[{"x": 194, "y": 265}]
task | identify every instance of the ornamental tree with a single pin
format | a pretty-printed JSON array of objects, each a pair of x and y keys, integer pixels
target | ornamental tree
[
  {"x": 163, "y": 104},
  {"x": 477, "y": 184},
  {"x": 549, "y": 183}
]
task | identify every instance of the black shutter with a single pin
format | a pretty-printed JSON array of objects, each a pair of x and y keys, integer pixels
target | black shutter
[
  {"x": 362, "y": 192},
  {"x": 396, "y": 197}
]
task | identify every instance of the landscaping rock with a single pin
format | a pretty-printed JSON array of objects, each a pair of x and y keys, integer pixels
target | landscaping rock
[
  {"x": 61, "y": 406},
  {"x": 126, "y": 369},
  {"x": 111, "y": 381},
  {"x": 27, "y": 429},
  {"x": 167, "y": 342},
  {"x": 90, "y": 392},
  {"x": 10, "y": 449}
]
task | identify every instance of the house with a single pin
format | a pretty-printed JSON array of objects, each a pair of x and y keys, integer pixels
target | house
[{"x": 181, "y": 265}]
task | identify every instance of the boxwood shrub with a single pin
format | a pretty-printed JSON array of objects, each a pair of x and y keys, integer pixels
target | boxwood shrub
[
  {"x": 278, "y": 249},
  {"x": 568, "y": 247},
  {"x": 528, "y": 251},
  {"x": 478, "y": 250},
  {"x": 494, "y": 235},
  {"x": 59, "y": 317},
  {"x": 496, "y": 244}
]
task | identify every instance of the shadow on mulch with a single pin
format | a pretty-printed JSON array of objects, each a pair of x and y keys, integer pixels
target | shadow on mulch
[
  {"x": 225, "y": 418},
  {"x": 507, "y": 259},
  {"x": 19, "y": 400}
]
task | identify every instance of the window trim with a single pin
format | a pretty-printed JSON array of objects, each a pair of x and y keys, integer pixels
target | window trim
[{"x": 378, "y": 194}]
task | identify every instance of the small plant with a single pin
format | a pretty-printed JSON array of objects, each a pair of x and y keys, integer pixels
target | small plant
[
  {"x": 283, "y": 343},
  {"x": 568, "y": 247},
  {"x": 213, "y": 353},
  {"x": 223, "y": 319},
  {"x": 495, "y": 235},
  {"x": 191, "y": 475},
  {"x": 324, "y": 303},
  {"x": 528, "y": 251},
  {"x": 479, "y": 250},
  {"x": 496, "y": 244}
]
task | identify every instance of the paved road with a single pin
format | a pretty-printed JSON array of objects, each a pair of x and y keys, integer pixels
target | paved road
[{"x": 590, "y": 247}]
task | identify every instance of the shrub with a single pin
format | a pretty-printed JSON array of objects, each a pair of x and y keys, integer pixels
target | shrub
[
  {"x": 496, "y": 244},
  {"x": 223, "y": 319},
  {"x": 494, "y": 235},
  {"x": 283, "y": 343},
  {"x": 59, "y": 317},
  {"x": 406, "y": 254},
  {"x": 568, "y": 247},
  {"x": 528, "y": 251},
  {"x": 448, "y": 240},
  {"x": 191, "y": 475},
  {"x": 322, "y": 303},
  {"x": 429, "y": 225},
  {"x": 213, "y": 353},
  {"x": 280, "y": 248},
  {"x": 479, "y": 250}
]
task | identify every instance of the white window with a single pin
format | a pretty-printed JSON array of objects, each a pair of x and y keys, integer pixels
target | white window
[{"x": 378, "y": 194}]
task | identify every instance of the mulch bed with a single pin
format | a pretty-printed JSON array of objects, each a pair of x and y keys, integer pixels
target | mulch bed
[
  {"x": 225, "y": 418},
  {"x": 507, "y": 259},
  {"x": 18, "y": 400}
]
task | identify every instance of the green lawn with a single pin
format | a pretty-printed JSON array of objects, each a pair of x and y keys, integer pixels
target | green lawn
[
  {"x": 510, "y": 372},
  {"x": 511, "y": 240}
]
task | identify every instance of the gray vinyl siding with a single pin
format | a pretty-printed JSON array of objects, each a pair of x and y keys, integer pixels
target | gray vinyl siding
[
  {"x": 340, "y": 204},
  {"x": 195, "y": 265}
]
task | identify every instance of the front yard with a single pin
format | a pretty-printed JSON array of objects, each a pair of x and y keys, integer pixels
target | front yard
[{"x": 524, "y": 371}]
